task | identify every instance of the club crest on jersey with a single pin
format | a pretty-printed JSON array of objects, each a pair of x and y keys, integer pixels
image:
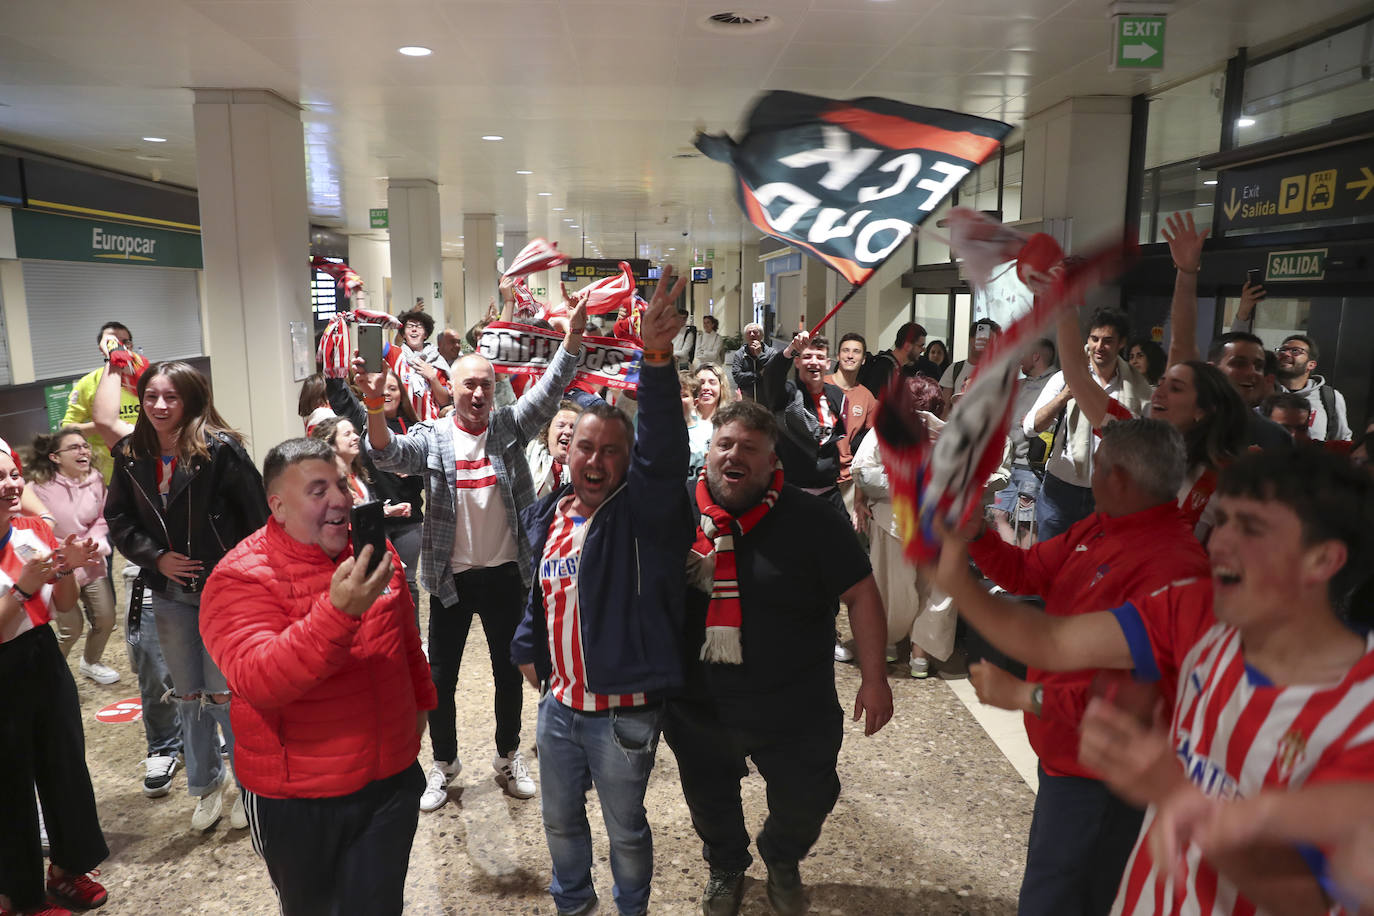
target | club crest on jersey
[
  {"x": 1101, "y": 571},
  {"x": 1292, "y": 748}
]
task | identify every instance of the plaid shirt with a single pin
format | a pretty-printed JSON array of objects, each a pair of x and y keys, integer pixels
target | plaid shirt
[{"x": 428, "y": 449}]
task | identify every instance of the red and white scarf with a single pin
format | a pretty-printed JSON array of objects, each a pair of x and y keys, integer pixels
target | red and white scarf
[{"x": 716, "y": 536}]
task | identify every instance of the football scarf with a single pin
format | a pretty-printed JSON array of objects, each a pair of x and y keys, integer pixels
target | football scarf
[
  {"x": 944, "y": 479},
  {"x": 716, "y": 537},
  {"x": 335, "y": 353},
  {"x": 525, "y": 351},
  {"x": 607, "y": 295},
  {"x": 538, "y": 255},
  {"x": 346, "y": 277}
]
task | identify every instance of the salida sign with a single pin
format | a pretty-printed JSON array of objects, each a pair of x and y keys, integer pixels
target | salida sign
[{"x": 1331, "y": 184}]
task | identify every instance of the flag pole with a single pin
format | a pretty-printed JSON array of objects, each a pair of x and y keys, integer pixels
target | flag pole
[{"x": 854, "y": 288}]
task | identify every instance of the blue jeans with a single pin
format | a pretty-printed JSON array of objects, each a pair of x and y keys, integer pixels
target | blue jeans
[
  {"x": 1061, "y": 505},
  {"x": 614, "y": 752},
  {"x": 161, "y": 722},
  {"x": 195, "y": 677}
]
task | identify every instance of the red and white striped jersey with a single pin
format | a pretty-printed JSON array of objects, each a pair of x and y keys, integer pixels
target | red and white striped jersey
[
  {"x": 28, "y": 537},
  {"x": 558, "y": 583},
  {"x": 1237, "y": 733},
  {"x": 482, "y": 536}
]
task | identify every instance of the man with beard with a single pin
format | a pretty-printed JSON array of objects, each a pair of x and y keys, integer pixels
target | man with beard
[
  {"x": 1297, "y": 360},
  {"x": 771, "y": 564}
]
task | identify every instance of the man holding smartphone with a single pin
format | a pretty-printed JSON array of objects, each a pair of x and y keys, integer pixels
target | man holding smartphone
[
  {"x": 476, "y": 557},
  {"x": 330, "y": 692}
]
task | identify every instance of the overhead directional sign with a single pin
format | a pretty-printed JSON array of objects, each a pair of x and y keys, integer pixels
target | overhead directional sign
[
  {"x": 1138, "y": 42},
  {"x": 1334, "y": 184}
]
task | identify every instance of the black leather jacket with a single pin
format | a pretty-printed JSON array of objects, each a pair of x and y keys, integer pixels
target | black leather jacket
[{"x": 213, "y": 504}]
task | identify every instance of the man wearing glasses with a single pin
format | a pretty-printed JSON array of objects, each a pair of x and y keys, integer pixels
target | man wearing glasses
[{"x": 1297, "y": 360}]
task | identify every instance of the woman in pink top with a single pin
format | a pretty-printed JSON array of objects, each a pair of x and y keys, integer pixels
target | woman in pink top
[{"x": 61, "y": 475}]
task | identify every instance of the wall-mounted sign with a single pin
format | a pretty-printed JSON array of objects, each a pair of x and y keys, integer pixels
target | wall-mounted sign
[
  {"x": 1326, "y": 184},
  {"x": 55, "y": 398},
  {"x": 1138, "y": 43},
  {"x": 50, "y": 237},
  {"x": 1282, "y": 266},
  {"x": 701, "y": 274},
  {"x": 596, "y": 268},
  {"x": 379, "y": 219}
]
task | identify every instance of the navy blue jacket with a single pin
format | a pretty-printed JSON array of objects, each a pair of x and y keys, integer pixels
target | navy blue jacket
[{"x": 632, "y": 575}]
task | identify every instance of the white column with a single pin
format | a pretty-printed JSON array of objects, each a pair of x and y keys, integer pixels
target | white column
[
  {"x": 1076, "y": 163},
  {"x": 417, "y": 270},
  {"x": 255, "y": 236},
  {"x": 479, "y": 264}
]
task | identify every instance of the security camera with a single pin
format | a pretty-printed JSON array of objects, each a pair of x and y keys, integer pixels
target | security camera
[{"x": 685, "y": 234}]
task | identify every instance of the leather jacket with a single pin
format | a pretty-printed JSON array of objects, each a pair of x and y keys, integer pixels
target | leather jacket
[{"x": 212, "y": 505}]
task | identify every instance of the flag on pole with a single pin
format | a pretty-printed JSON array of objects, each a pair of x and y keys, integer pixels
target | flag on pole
[{"x": 847, "y": 181}]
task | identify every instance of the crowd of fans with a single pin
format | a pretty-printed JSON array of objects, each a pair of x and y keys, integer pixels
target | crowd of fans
[{"x": 654, "y": 566}]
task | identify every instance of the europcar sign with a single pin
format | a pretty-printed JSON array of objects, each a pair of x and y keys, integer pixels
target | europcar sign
[{"x": 51, "y": 237}]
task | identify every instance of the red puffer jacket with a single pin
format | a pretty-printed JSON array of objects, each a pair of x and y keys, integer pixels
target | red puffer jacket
[{"x": 323, "y": 703}]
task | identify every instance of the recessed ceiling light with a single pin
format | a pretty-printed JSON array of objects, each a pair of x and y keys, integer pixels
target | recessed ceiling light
[
  {"x": 559, "y": 209},
  {"x": 574, "y": 226},
  {"x": 155, "y": 139},
  {"x": 523, "y": 172},
  {"x": 492, "y": 137},
  {"x": 1210, "y": 181},
  {"x": 1245, "y": 122},
  {"x": 545, "y": 193},
  {"x": 567, "y": 219},
  {"x": 415, "y": 51}
]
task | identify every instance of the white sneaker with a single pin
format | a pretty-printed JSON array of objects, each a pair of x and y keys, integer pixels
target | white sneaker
[
  {"x": 920, "y": 667},
  {"x": 441, "y": 776},
  {"x": 209, "y": 809},
  {"x": 101, "y": 674},
  {"x": 158, "y": 770},
  {"x": 238, "y": 818},
  {"x": 843, "y": 653},
  {"x": 514, "y": 773}
]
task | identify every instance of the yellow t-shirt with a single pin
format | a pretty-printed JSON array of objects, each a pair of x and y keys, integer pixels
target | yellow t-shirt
[{"x": 79, "y": 411}]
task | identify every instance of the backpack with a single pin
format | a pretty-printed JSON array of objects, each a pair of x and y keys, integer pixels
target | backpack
[{"x": 1328, "y": 399}]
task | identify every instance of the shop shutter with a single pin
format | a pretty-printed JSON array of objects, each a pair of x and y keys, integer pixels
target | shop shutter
[{"x": 67, "y": 304}]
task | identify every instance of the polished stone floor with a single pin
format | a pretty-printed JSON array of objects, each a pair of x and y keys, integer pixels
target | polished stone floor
[{"x": 932, "y": 819}]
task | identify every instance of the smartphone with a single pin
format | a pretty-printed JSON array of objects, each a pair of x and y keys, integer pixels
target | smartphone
[
  {"x": 1252, "y": 276},
  {"x": 366, "y": 520},
  {"x": 370, "y": 346}
]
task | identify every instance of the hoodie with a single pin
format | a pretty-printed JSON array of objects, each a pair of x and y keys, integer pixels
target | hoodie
[
  {"x": 78, "y": 507},
  {"x": 1319, "y": 426}
]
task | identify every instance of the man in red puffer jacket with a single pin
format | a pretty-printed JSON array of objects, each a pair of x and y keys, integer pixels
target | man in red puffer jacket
[{"x": 331, "y": 693}]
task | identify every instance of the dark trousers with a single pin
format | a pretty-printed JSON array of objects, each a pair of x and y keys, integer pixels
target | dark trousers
[
  {"x": 348, "y": 854},
  {"x": 41, "y": 743},
  {"x": 1059, "y": 505},
  {"x": 496, "y": 595},
  {"x": 798, "y": 768},
  {"x": 1080, "y": 838}
]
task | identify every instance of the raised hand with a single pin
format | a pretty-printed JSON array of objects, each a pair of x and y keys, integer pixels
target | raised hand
[
  {"x": 1185, "y": 241},
  {"x": 1250, "y": 296},
  {"x": 661, "y": 320}
]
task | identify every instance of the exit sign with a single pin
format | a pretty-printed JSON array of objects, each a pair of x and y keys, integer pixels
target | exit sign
[
  {"x": 1295, "y": 265},
  {"x": 1138, "y": 43},
  {"x": 379, "y": 219}
]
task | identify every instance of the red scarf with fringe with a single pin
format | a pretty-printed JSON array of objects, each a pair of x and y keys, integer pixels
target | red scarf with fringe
[{"x": 716, "y": 535}]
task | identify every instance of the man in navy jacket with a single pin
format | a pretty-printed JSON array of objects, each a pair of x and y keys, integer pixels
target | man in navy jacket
[{"x": 602, "y": 626}]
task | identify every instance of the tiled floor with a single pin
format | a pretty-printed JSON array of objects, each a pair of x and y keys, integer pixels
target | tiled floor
[{"x": 932, "y": 819}]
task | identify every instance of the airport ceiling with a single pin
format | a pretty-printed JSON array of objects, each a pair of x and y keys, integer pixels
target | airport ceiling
[{"x": 597, "y": 101}]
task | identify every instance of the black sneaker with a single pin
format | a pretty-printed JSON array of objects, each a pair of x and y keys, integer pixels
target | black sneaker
[
  {"x": 724, "y": 893},
  {"x": 785, "y": 889},
  {"x": 158, "y": 772}
]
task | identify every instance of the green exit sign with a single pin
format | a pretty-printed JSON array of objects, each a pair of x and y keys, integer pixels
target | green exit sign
[
  {"x": 1138, "y": 43},
  {"x": 379, "y": 219},
  {"x": 1295, "y": 265}
]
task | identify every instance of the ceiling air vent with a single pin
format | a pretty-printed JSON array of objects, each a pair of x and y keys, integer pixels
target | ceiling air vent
[{"x": 738, "y": 22}]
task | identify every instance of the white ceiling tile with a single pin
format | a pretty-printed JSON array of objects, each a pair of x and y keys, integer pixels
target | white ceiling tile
[
  {"x": 875, "y": 27},
  {"x": 830, "y": 56},
  {"x": 832, "y": 83}
]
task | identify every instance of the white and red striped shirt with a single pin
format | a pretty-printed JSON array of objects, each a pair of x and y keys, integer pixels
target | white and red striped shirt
[
  {"x": 1237, "y": 733},
  {"x": 482, "y": 537},
  {"x": 558, "y": 583},
  {"x": 28, "y": 537}
]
